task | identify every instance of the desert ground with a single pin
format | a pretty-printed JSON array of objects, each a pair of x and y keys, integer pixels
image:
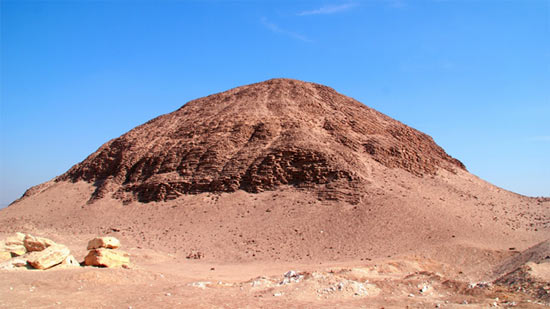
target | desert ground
[{"x": 245, "y": 256}]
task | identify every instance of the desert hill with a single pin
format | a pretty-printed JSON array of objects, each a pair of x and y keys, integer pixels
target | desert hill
[
  {"x": 283, "y": 170},
  {"x": 256, "y": 138}
]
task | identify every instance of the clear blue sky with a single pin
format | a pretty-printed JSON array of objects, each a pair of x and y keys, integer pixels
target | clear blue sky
[{"x": 475, "y": 75}]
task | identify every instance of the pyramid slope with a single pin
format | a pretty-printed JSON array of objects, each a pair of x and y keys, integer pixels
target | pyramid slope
[{"x": 256, "y": 138}]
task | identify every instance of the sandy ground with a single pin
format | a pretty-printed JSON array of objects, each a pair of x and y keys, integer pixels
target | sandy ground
[
  {"x": 160, "y": 280},
  {"x": 417, "y": 244}
]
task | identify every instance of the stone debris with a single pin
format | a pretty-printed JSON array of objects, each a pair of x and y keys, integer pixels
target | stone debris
[
  {"x": 424, "y": 288},
  {"x": 480, "y": 285},
  {"x": 70, "y": 261},
  {"x": 15, "y": 250},
  {"x": 15, "y": 240},
  {"x": 195, "y": 255},
  {"x": 103, "y": 257},
  {"x": 200, "y": 284},
  {"x": 290, "y": 277},
  {"x": 49, "y": 257},
  {"x": 25, "y": 250},
  {"x": 104, "y": 253},
  {"x": 4, "y": 256},
  {"x": 350, "y": 287},
  {"x": 260, "y": 282},
  {"x": 12, "y": 246},
  {"x": 103, "y": 242},
  {"x": 14, "y": 263},
  {"x": 33, "y": 243},
  {"x": 359, "y": 289}
]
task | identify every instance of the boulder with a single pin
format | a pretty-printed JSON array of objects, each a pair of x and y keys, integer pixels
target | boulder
[
  {"x": 51, "y": 256},
  {"x": 13, "y": 263},
  {"x": 70, "y": 261},
  {"x": 103, "y": 242},
  {"x": 19, "y": 261},
  {"x": 4, "y": 256},
  {"x": 15, "y": 250},
  {"x": 36, "y": 243},
  {"x": 15, "y": 240},
  {"x": 107, "y": 258}
]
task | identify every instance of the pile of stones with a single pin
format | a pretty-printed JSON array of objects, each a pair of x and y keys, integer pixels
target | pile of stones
[
  {"x": 26, "y": 250},
  {"x": 31, "y": 252},
  {"x": 104, "y": 253}
]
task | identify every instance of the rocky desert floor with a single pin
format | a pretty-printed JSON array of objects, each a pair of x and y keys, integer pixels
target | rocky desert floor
[
  {"x": 159, "y": 279},
  {"x": 471, "y": 248},
  {"x": 452, "y": 274}
]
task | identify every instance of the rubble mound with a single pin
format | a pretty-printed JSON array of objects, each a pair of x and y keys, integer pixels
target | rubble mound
[
  {"x": 30, "y": 252},
  {"x": 538, "y": 253},
  {"x": 528, "y": 272},
  {"x": 255, "y": 138},
  {"x": 27, "y": 251}
]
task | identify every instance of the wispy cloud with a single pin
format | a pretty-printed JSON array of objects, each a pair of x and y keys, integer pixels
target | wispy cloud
[
  {"x": 329, "y": 9},
  {"x": 276, "y": 29}
]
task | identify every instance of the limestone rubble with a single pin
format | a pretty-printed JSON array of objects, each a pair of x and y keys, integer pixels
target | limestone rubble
[
  {"x": 49, "y": 257},
  {"x": 4, "y": 256},
  {"x": 15, "y": 240},
  {"x": 103, "y": 242},
  {"x": 33, "y": 243},
  {"x": 107, "y": 258},
  {"x": 26, "y": 250}
]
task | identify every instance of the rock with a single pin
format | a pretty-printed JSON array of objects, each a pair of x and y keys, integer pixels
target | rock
[
  {"x": 4, "y": 256},
  {"x": 15, "y": 240},
  {"x": 13, "y": 263},
  {"x": 424, "y": 288},
  {"x": 291, "y": 276},
  {"x": 20, "y": 261},
  {"x": 51, "y": 256},
  {"x": 15, "y": 250},
  {"x": 107, "y": 258},
  {"x": 37, "y": 243},
  {"x": 195, "y": 255},
  {"x": 200, "y": 284},
  {"x": 358, "y": 288},
  {"x": 103, "y": 242},
  {"x": 70, "y": 261}
]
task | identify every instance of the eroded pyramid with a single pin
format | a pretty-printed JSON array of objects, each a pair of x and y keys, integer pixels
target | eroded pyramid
[{"x": 259, "y": 137}]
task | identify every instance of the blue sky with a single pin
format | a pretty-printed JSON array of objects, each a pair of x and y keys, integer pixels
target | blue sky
[{"x": 475, "y": 75}]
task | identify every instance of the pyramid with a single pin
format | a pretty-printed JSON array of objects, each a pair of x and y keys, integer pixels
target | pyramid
[
  {"x": 259, "y": 137},
  {"x": 282, "y": 170}
]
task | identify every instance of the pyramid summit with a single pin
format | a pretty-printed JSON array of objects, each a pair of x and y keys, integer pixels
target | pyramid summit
[{"x": 258, "y": 137}]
